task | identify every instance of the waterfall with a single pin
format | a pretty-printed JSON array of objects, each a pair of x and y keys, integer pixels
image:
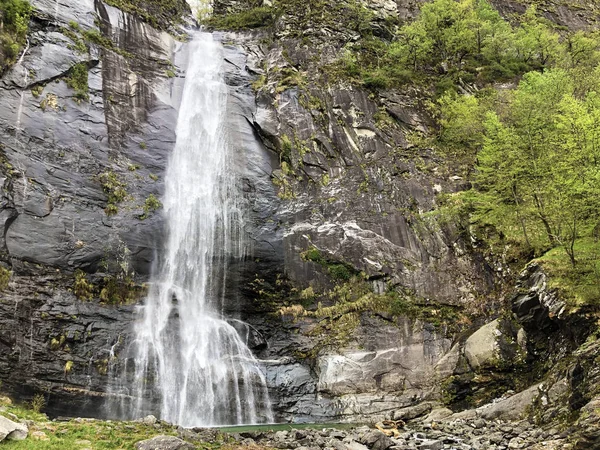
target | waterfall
[{"x": 186, "y": 353}]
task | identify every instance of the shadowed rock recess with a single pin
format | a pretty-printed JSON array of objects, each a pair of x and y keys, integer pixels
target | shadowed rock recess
[{"x": 360, "y": 300}]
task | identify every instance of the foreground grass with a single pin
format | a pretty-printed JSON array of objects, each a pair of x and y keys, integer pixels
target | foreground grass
[
  {"x": 91, "y": 434},
  {"x": 81, "y": 433}
]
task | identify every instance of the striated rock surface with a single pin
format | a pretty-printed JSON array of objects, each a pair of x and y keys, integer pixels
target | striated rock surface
[{"x": 340, "y": 211}]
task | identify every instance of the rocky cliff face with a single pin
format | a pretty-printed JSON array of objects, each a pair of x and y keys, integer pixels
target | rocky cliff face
[{"x": 341, "y": 204}]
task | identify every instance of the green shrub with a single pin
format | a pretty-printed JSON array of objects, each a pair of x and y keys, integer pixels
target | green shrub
[
  {"x": 78, "y": 80},
  {"x": 261, "y": 16},
  {"x": 150, "y": 205},
  {"x": 4, "y": 278},
  {"x": 121, "y": 289},
  {"x": 83, "y": 289},
  {"x": 14, "y": 23}
]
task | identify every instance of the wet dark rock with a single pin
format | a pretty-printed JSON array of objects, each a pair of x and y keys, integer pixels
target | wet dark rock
[{"x": 376, "y": 440}]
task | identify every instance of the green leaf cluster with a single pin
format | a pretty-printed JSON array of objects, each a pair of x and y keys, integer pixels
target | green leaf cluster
[
  {"x": 78, "y": 80},
  {"x": 462, "y": 41},
  {"x": 115, "y": 189},
  {"x": 536, "y": 151},
  {"x": 14, "y": 23}
]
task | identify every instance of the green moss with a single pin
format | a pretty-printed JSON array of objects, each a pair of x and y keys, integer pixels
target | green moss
[
  {"x": 72, "y": 33},
  {"x": 78, "y": 80},
  {"x": 96, "y": 37},
  {"x": 105, "y": 435},
  {"x": 82, "y": 288},
  {"x": 111, "y": 209},
  {"x": 259, "y": 82},
  {"x": 4, "y": 278},
  {"x": 57, "y": 342},
  {"x": 36, "y": 91}
]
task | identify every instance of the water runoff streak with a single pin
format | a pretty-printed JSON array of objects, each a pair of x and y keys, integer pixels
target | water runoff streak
[{"x": 186, "y": 352}]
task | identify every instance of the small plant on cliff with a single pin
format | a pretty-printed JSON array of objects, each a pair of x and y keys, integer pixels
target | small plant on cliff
[
  {"x": 337, "y": 270},
  {"x": 121, "y": 289},
  {"x": 114, "y": 188},
  {"x": 150, "y": 205},
  {"x": 78, "y": 80},
  {"x": 4, "y": 278},
  {"x": 83, "y": 289}
]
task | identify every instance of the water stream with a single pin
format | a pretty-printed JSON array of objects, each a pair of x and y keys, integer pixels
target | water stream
[
  {"x": 22, "y": 98},
  {"x": 187, "y": 354}
]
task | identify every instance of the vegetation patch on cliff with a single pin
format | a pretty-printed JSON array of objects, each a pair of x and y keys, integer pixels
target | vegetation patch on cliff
[
  {"x": 161, "y": 14},
  {"x": 454, "y": 43},
  {"x": 14, "y": 23},
  {"x": 352, "y": 297}
]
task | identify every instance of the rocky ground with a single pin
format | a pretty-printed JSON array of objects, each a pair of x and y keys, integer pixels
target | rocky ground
[{"x": 433, "y": 432}]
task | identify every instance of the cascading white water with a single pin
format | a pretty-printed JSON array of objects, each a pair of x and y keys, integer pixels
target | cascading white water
[
  {"x": 25, "y": 81},
  {"x": 186, "y": 352}
]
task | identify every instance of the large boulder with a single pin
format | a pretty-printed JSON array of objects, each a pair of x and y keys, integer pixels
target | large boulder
[
  {"x": 164, "y": 443},
  {"x": 11, "y": 430},
  {"x": 482, "y": 347}
]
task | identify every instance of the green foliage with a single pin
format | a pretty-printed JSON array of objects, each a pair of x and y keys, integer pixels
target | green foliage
[
  {"x": 312, "y": 16},
  {"x": 462, "y": 40},
  {"x": 285, "y": 148},
  {"x": 537, "y": 183},
  {"x": 105, "y": 435},
  {"x": 121, "y": 289},
  {"x": 161, "y": 14},
  {"x": 461, "y": 120},
  {"x": 82, "y": 288},
  {"x": 96, "y": 37},
  {"x": 78, "y": 80},
  {"x": 37, "y": 403},
  {"x": 114, "y": 188},
  {"x": 36, "y": 91},
  {"x": 5, "y": 275},
  {"x": 73, "y": 33},
  {"x": 337, "y": 270},
  {"x": 14, "y": 23},
  {"x": 579, "y": 285},
  {"x": 150, "y": 205},
  {"x": 260, "y": 16}
]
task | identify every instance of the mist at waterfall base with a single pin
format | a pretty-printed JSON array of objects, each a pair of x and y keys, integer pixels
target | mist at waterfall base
[{"x": 190, "y": 365}]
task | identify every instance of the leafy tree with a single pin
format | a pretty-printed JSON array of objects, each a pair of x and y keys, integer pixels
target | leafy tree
[{"x": 539, "y": 166}]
